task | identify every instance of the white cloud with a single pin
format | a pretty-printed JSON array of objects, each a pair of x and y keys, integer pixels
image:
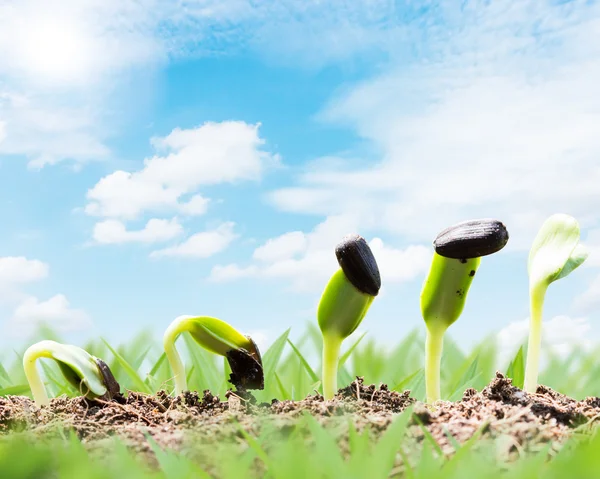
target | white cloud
[
  {"x": 396, "y": 265},
  {"x": 285, "y": 246},
  {"x": 201, "y": 245},
  {"x": 307, "y": 260},
  {"x": 55, "y": 312},
  {"x": 504, "y": 115},
  {"x": 195, "y": 206},
  {"x": 561, "y": 335},
  {"x": 18, "y": 269},
  {"x": 232, "y": 272},
  {"x": 156, "y": 230},
  {"x": 592, "y": 243},
  {"x": 15, "y": 273},
  {"x": 589, "y": 300},
  {"x": 210, "y": 154},
  {"x": 46, "y": 133}
]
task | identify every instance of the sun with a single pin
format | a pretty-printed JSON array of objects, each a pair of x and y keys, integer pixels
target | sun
[{"x": 55, "y": 49}]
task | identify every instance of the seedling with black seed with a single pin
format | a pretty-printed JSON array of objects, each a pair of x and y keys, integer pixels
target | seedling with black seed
[
  {"x": 345, "y": 302},
  {"x": 88, "y": 374},
  {"x": 220, "y": 338},
  {"x": 458, "y": 252}
]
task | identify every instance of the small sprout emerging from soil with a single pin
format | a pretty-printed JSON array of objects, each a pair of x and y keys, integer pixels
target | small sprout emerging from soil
[
  {"x": 458, "y": 252},
  {"x": 220, "y": 338},
  {"x": 345, "y": 302},
  {"x": 555, "y": 252},
  {"x": 88, "y": 374}
]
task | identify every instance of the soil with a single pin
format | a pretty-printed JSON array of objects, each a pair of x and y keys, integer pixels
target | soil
[{"x": 523, "y": 422}]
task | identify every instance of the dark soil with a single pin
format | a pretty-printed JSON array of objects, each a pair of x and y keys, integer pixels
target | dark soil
[{"x": 525, "y": 422}]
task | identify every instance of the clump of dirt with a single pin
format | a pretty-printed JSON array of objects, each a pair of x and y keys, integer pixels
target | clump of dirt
[{"x": 525, "y": 421}]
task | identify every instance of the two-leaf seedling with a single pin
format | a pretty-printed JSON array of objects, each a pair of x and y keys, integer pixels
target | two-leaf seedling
[{"x": 555, "y": 253}]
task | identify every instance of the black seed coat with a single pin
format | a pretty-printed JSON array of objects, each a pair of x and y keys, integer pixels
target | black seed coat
[
  {"x": 246, "y": 368},
  {"x": 358, "y": 264},
  {"x": 471, "y": 239},
  {"x": 112, "y": 386}
]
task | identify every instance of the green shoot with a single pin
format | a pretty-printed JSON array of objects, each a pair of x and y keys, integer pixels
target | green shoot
[
  {"x": 220, "y": 338},
  {"x": 555, "y": 253},
  {"x": 88, "y": 374},
  {"x": 457, "y": 256},
  {"x": 345, "y": 302}
]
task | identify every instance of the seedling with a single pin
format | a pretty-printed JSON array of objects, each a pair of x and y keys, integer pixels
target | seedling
[
  {"x": 555, "y": 253},
  {"x": 345, "y": 302},
  {"x": 458, "y": 252},
  {"x": 88, "y": 374},
  {"x": 220, "y": 338}
]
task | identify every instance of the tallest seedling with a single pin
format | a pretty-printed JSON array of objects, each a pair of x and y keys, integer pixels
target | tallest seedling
[
  {"x": 345, "y": 302},
  {"x": 458, "y": 252},
  {"x": 554, "y": 254}
]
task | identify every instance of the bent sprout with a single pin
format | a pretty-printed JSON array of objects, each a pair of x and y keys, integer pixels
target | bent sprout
[
  {"x": 220, "y": 338},
  {"x": 555, "y": 253},
  {"x": 88, "y": 374},
  {"x": 345, "y": 302},
  {"x": 458, "y": 252}
]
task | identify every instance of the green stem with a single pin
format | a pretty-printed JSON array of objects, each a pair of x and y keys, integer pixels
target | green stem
[
  {"x": 536, "y": 297},
  {"x": 171, "y": 335},
  {"x": 38, "y": 390},
  {"x": 433, "y": 358},
  {"x": 331, "y": 353}
]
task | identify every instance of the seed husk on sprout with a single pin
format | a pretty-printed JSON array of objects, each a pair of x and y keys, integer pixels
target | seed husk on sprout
[
  {"x": 88, "y": 374},
  {"x": 345, "y": 302},
  {"x": 220, "y": 338},
  {"x": 457, "y": 255},
  {"x": 555, "y": 253}
]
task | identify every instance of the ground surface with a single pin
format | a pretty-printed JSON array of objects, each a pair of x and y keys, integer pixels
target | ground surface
[{"x": 520, "y": 422}]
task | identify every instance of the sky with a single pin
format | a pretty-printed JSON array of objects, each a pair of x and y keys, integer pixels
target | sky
[{"x": 204, "y": 157}]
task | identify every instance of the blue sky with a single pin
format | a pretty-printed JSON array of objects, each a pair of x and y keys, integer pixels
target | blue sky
[{"x": 166, "y": 158}]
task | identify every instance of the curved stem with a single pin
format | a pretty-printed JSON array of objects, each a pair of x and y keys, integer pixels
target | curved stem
[
  {"x": 331, "y": 352},
  {"x": 171, "y": 335},
  {"x": 433, "y": 357},
  {"x": 38, "y": 390},
  {"x": 536, "y": 298}
]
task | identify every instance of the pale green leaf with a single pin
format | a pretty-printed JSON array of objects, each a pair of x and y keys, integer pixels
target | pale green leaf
[
  {"x": 579, "y": 255},
  {"x": 553, "y": 247}
]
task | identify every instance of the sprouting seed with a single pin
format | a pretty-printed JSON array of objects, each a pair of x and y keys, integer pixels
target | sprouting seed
[
  {"x": 456, "y": 258},
  {"x": 220, "y": 338},
  {"x": 345, "y": 302},
  {"x": 471, "y": 239},
  {"x": 555, "y": 253},
  {"x": 88, "y": 374}
]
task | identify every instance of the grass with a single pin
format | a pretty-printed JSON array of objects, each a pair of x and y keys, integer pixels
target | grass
[{"x": 291, "y": 372}]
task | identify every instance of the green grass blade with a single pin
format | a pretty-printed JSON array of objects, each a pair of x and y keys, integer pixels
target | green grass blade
[
  {"x": 350, "y": 350},
  {"x": 19, "y": 390},
  {"x": 516, "y": 369},
  {"x": 139, "y": 383},
  {"x": 304, "y": 362},
  {"x": 403, "y": 384},
  {"x": 284, "y": 393}
]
